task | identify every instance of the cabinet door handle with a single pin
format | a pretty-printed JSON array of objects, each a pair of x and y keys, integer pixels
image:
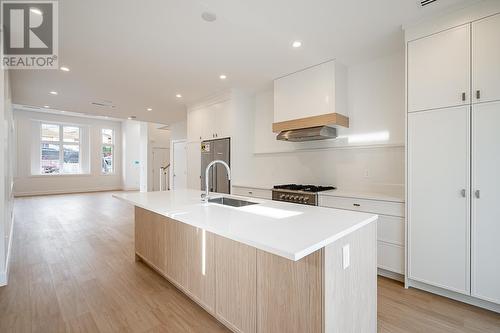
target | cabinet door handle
[
  {"x": 478, "y": 94},
  {"x": 463, "y": 192},
  {"x": 464, "y": 97},
  {"x": 250, "y": 192},
  {"x": 356, "y": 205},
  {"x": 477, "y": 193}
]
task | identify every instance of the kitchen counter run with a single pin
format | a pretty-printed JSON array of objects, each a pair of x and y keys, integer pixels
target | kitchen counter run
[{"x": 288, "y": 230}]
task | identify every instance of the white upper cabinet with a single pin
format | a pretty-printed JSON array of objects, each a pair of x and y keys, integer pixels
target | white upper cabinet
[
  {"x": 486, "y": 59},
  {"x": 439, "y": 70},
  {"x": 198, "y": 124},
  {"x": 485, "y": 202},
  {"x": 314, "y": 91},
  {"x": 438, "y": 198},
  {"x": 221, "y": 119},
  {"x": 211, "y": 121}
]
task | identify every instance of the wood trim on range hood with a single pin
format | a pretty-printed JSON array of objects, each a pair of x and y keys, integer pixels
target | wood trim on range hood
[{"x": 314, "y": 121}]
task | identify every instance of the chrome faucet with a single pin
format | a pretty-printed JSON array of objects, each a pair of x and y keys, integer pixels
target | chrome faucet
[{"x": 205, "y": 195}]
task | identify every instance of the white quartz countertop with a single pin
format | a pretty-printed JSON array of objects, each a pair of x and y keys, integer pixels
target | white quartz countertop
[{"x": 288, "y": 230}]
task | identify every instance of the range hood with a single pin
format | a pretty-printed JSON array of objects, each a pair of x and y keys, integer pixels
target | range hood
[
  {"x": 310, "y": 128},
  {"x": 306, "y": 102},
  {"x": 308, "y": 134}
]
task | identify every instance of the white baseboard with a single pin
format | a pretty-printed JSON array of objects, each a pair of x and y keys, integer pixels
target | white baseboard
[
  {"x": 4, "y": 276},
  {"x": 390, "y": 275},
  {"x": 67, "y": 191},
  {"x": 130, "y": 189},
  {"x": 454, "y": 295}
]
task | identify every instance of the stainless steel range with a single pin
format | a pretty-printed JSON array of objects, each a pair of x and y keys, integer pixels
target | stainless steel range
[{"x": 302, "y": 194}]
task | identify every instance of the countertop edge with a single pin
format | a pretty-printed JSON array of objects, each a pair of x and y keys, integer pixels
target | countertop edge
[{"x": 365, "y": 196}]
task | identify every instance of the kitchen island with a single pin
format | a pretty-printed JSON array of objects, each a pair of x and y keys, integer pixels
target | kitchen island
[{"x": 265, "y": 267}]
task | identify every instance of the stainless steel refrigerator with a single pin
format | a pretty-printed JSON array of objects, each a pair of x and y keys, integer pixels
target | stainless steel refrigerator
[{"x": 211, "y": 150}]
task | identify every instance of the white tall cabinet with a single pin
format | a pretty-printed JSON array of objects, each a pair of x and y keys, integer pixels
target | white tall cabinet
[
  {"x": 486, "y": 201},
  {"x": 438, "y": 180},
  {"x": 453, "y": 160}
]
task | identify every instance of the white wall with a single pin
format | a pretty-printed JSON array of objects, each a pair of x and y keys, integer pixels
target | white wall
[
  {"x": 131, "y": 155},
  {"x": 7, "y": 152},
  {"x": 368, "y": 157},
  {"x": 28, "y": 183},
  {"x": 178, "y": 131}
]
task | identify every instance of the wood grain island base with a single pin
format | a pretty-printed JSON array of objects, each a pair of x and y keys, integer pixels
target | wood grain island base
[{"x": 251, "y": 290}]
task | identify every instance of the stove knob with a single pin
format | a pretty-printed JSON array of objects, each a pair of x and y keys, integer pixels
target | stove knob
[
  {"x": 282, "y": 196},
  {"x": 287, "y": 197},
  {"x": 306, "y": 200},
  {"x": 301, "y": 199},
  {"x": 296, "y": 198}
]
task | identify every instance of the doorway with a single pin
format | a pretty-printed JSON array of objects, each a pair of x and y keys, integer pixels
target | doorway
[
  {"x": 160, "y": 159},
  {"x": 178, "y": 169}
]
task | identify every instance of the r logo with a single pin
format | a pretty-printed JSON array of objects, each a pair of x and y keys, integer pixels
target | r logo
[{"x": 28, "y": 28}]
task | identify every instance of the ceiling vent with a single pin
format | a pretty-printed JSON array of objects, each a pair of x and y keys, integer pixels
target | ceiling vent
[
  {"x": 103, "y": 104},
  {"x": 424, "y": 3}
]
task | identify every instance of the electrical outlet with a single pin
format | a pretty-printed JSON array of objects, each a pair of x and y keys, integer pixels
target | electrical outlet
[{"x": 346, "y": 260}]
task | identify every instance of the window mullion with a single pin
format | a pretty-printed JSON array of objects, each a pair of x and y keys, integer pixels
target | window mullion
[{"x": 61, "y": 148}]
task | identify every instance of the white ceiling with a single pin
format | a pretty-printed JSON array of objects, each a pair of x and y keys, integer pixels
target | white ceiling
[{"x": 139, "y": 54}]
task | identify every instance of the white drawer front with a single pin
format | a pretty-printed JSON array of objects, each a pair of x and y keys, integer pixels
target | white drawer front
[
  {"x": 391, "y": 229},
  {"x": 252, "y": 192},
  {"x": 391, "y": 257},
  {"x": 363, "y": 205}
]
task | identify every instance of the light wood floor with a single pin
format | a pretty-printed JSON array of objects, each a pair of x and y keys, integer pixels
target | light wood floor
[{"x": 73, "y": 269}]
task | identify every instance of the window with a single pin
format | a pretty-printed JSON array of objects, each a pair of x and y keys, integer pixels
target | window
[
  {"x": 107, "y": 151},
  {"x": 60, "y": 149}
]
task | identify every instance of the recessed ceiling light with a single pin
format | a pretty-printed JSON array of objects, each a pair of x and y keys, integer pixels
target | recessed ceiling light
[
  {"x": 36, "y": 11},
  {"x": 53, "y": 92},
  {"x": 222, "y": 77},
  {"x": 46, "y": 106},
  {"x": 131, "y": 117},
  {"x": 64, "y": 69},
  {"x": 178, "y": 96},
  {"x": 208, "y": 16},
  {"x": 149, "y": 109},
  {"x": 297, "y": 44}
]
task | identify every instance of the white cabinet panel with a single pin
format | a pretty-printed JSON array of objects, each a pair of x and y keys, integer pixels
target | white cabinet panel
[
  {"x": 391, "y": 257},
  {"x": 221, "y": 125},
  {"x": 486, "y": 208},
  {"x": 209, "y": 122},
  {"x": 363, "y": 205},
  {"x": 198, "y": 124},
  {"x": 486, "y": 59},
  {"x": 391, "y": 229},
  {"x": 311, "y": 92},
  {"x": 252, "y": 192},
  {"x": 438, "y": 218},
  {"x": 193, "y": 165},
  {"x": 439, "y": 70}
]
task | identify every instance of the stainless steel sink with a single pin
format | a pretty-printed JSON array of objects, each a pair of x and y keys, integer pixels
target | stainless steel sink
[{"x": 231, "y": 202}]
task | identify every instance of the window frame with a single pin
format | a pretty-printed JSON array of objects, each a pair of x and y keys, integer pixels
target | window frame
[
  {"x": 61, "y": 143},
  {"x": 110, "y": 145}
]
